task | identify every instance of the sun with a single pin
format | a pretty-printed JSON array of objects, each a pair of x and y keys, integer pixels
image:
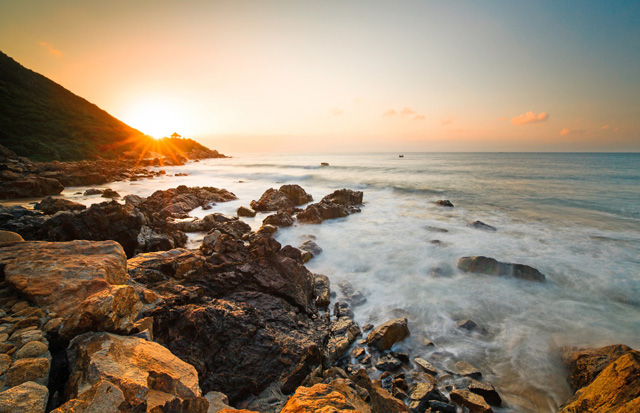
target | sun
[{"x": 156, "y": 118}]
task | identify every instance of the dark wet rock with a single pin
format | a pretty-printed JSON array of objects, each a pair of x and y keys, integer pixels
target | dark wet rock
[
  {"x": 438, "y": 406},
  {"x": 403, "y": 357},
  {"x": 154, "y": 267},
  {"x": 272, "y": 200},
  {"x": 388, "y": 363},
  {"x": 323, "y": 290},
  {"x": 487, "y": 391},
  {"x": 296, "y": 194},
  {"x": 177, "y": 202},
  {"x": 421, "y": 396},
  {"x": 345, "y": 197},
  {"x": 471, "y": 401},
  {"x": 93, "y": 191},
  {"x": 279, "y": 219},
  {"x": 490, "y": 266},
  {"x": 246, "y": 212},
  {"x": 386, "y": 335},
  {"x": 482, "y": 226},
  {"x": 312, "y": 247},
  {"x": 467, "y": 324},
  {"x": 342, "y": 333},
  {"x": 615, "y": 389},
  {"x": 51, "y": 205},
  {"x": 426, "y": 366},
  {"x": 381, "y": 401},
  {"x": 336, "y": 205},
  {"x": 342, "y": 309},
  {"x": 584, "y": 365},
  {"x": 444, "y": 203},
  {"x": 353, "y": 296},
  {"x": 29, "y": 187},
  {"x": 440, "y": 272},
  {"x": 110, "y": 193},
  {"x": 466, "y": 369},
  {"x": 367, "y": 327}
]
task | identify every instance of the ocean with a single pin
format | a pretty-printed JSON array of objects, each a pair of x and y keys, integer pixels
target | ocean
[{"x": 575, "y": 217}]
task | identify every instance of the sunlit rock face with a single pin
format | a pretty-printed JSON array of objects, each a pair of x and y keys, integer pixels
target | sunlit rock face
[{"x": 83, "y": 282}]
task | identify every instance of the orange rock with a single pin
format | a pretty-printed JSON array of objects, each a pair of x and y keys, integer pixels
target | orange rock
[{"x": 336, "y": 396}]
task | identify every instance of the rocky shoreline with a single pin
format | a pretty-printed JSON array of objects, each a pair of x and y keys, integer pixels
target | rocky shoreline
[{"x": 103, "y": 309}]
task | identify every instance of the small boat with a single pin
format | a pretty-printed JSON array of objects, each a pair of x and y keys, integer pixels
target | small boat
[
  {"x": 324, "y": 164},
  {"x": 400, "y": 156}
]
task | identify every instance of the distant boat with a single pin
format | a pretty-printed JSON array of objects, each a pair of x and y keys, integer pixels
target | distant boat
[
  {"x": 324, "y": 164},
  {"x": 400, "y": 156}
]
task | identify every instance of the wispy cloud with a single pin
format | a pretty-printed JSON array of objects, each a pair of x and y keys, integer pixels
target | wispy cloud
[
  {"x": 419, "y": 117},
  {"x": 336, "y": 111},
  {"x": 50, "y": 49},
  {"x": 529, "y": 117},
  {"x": 572, "y": 132},
  {"x": 407, "y": 111},
  {"x": 390, "y": 112},
  {"x": 604, "y": 127}
]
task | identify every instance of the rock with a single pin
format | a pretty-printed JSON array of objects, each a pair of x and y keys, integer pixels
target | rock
[
  {"x": 279, "y": 219},
  {"x": 272, "y": 200},
  {"x": 217, "y": 401},
  {"x": 466, "y": 369},
  {"x": 584, "y": 365},
  {"x": 487, "y": 391},
  {"x": 296, "y": 194},
  {"x": 51, "y": 205},
  {"x": 616, "y": 388},
  {"x": 93, "y": 191},
  {"x": 386, "y": 335},
  {"x": 28, "y": 369},
  {"x": 30, "y": 187},
  {"x": 481, "y": 225},
  {"x": 341, "y": 309},
  {"x": 421, "y": 396},
  {"x": 444, "y": 203},
  {"x": 467, "y": 324},
  {"x": 110, "y": 193},
  {"x": 8, "y": 236},
  {"x": 343, "y": 333},
  {"x": 270, "y": 400},
  {"x": 345, "y": 197},
  {"x": 154, "y": 267},
  {"x": 490, "y": 266},
  {"x": 440, "y": 272},
  {"x": 471, "y": 401},
  {"x": 103, "y": 396},
  {"x": 426, "y": 366},
  {"x": 381, "y": 400},
  {"x": 82, "y": 281},
  {"x": 337, "y": 396},
  {"x": 246, "y": 212},
  {"x": 323, "y": 290},
  {"x": 5, "y": 363},
  {"x": 388, "y": 363},
  {"x": 27, "y": 397},
  {"x": 178, "y": 202},
  {"x": 145, "y": 372},
  {"x": 336, "y": 205},
  {"x": 312, "y": 247},
  {"x": 353, "y": 296},
  {"x": 32, "y": 349}
]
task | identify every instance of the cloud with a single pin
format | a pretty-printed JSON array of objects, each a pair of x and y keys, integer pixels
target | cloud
[
  {"x": 407, "y": 111},
  {"x": 336, "y": 111},
  {"x": 572, "y": 132},
  {"x": 605, "y": 127},
  {"x": 529, "y": 117},
  {"x": 50, "y": 49},
  {"x": 419, "y": 117},
  {"x": 390, "y": 112}
]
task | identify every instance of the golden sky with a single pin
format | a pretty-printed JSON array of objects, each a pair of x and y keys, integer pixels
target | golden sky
[{"x": 347, "y": 75}]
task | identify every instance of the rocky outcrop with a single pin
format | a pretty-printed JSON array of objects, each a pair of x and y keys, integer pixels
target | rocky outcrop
[
  {"x": 284, "y": 199},
  {"x": 490, "y": 266},
  {"x": 338, "y": 396},
  {"x": 82, "y": 282},
  {"x": 279, "y": 219},
  {"x": 177, "y": 202},
  {"x": 29, "y": 187},
  {"x": 51, "y": 205},
  {"x": 615, "y": 389},
  {"x": 386, "y": 335},
  {"x": 141, "y": 374},
  {"x": 584, "y": 365},
  {"x": 338, "y": 204}
]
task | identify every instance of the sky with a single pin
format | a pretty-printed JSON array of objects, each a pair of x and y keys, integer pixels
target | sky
[{"x": 335, "y": 76}]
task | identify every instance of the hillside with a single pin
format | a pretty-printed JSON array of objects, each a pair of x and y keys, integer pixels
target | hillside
[{"x": 43, "y": 121}]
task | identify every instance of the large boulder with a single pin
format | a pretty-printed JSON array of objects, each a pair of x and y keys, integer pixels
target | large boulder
[
  {"x": 285, "y": 198},
  {"x": 615, "y": 389},
  {"x": 584, "y": 365},
  {"x": 146, "y": 373},
  {"x": 82, "y": 281},
  {"x": 296, "y": 194},
  {"x": 338, "y": 204},
  {"x": 30, "y": 187},
  {"x": 387, "y": 334},
  {"x": 491, "y": 266},
  {"x": 28, "y": 397}
]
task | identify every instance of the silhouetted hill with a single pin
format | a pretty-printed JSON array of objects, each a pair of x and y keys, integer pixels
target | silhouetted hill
[{"x": 43, "y": 121}]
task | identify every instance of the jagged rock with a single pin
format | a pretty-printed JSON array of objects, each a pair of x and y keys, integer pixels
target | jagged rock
[
  {"x": 421, "y": 396},
  {"x": 9, "y": 236},
  {"x": 487, "y": 391},
  {"x": 466, "y": 369},
  {"x": 490, "y": 266},
  {"x": 177, "y": 202},
  {"x": 584, "y": 365},
  {"x": 381, "y": 400},
  {"x": 323, "y": 290},
  {"x": 51, "y": 205},
  {"x": 296, "y": 194},
  {"x": 444, "y": 203},
  {"x": 343, "y": 332},
  {"x": 353, "y": 296},
  {"x": 28, "y": 397},
  {"x": 471, "y": 401},
  {"x": 426, "y": 366},
  {"x": 279, "y": 219},
  {"x": 272, "y": 200},
  {"x": 82, "y": 281},
  {"x": 146, "y": 373},
  {"x": 342, "y": 309},
  {"x": 343, "y": 196},
  {"x": 616, "y": 388},
  {"x": 93, "y": 191},
  {"x": 386, "y": 335},
  {"x": 312, "y": 247},
  {"x": 481, "y": 225},
  {"x": 246, "y": 212},
  {"x": 468, "y": 325},
  {"x": 270, "y": 400},
  {"x": 338, "y": 396},
  {"x": 110, "y": 193},
  {"x": 160, "y": 266},
  {"x": 388, "y": 363},
  {"x": 103, "y": 396},
  {"x": 30, "y": 187},
  {"x": 336, "y": 205}
]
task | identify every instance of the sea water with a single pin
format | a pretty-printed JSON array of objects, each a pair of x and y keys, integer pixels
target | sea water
[{"x": 575, "y": 217}]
